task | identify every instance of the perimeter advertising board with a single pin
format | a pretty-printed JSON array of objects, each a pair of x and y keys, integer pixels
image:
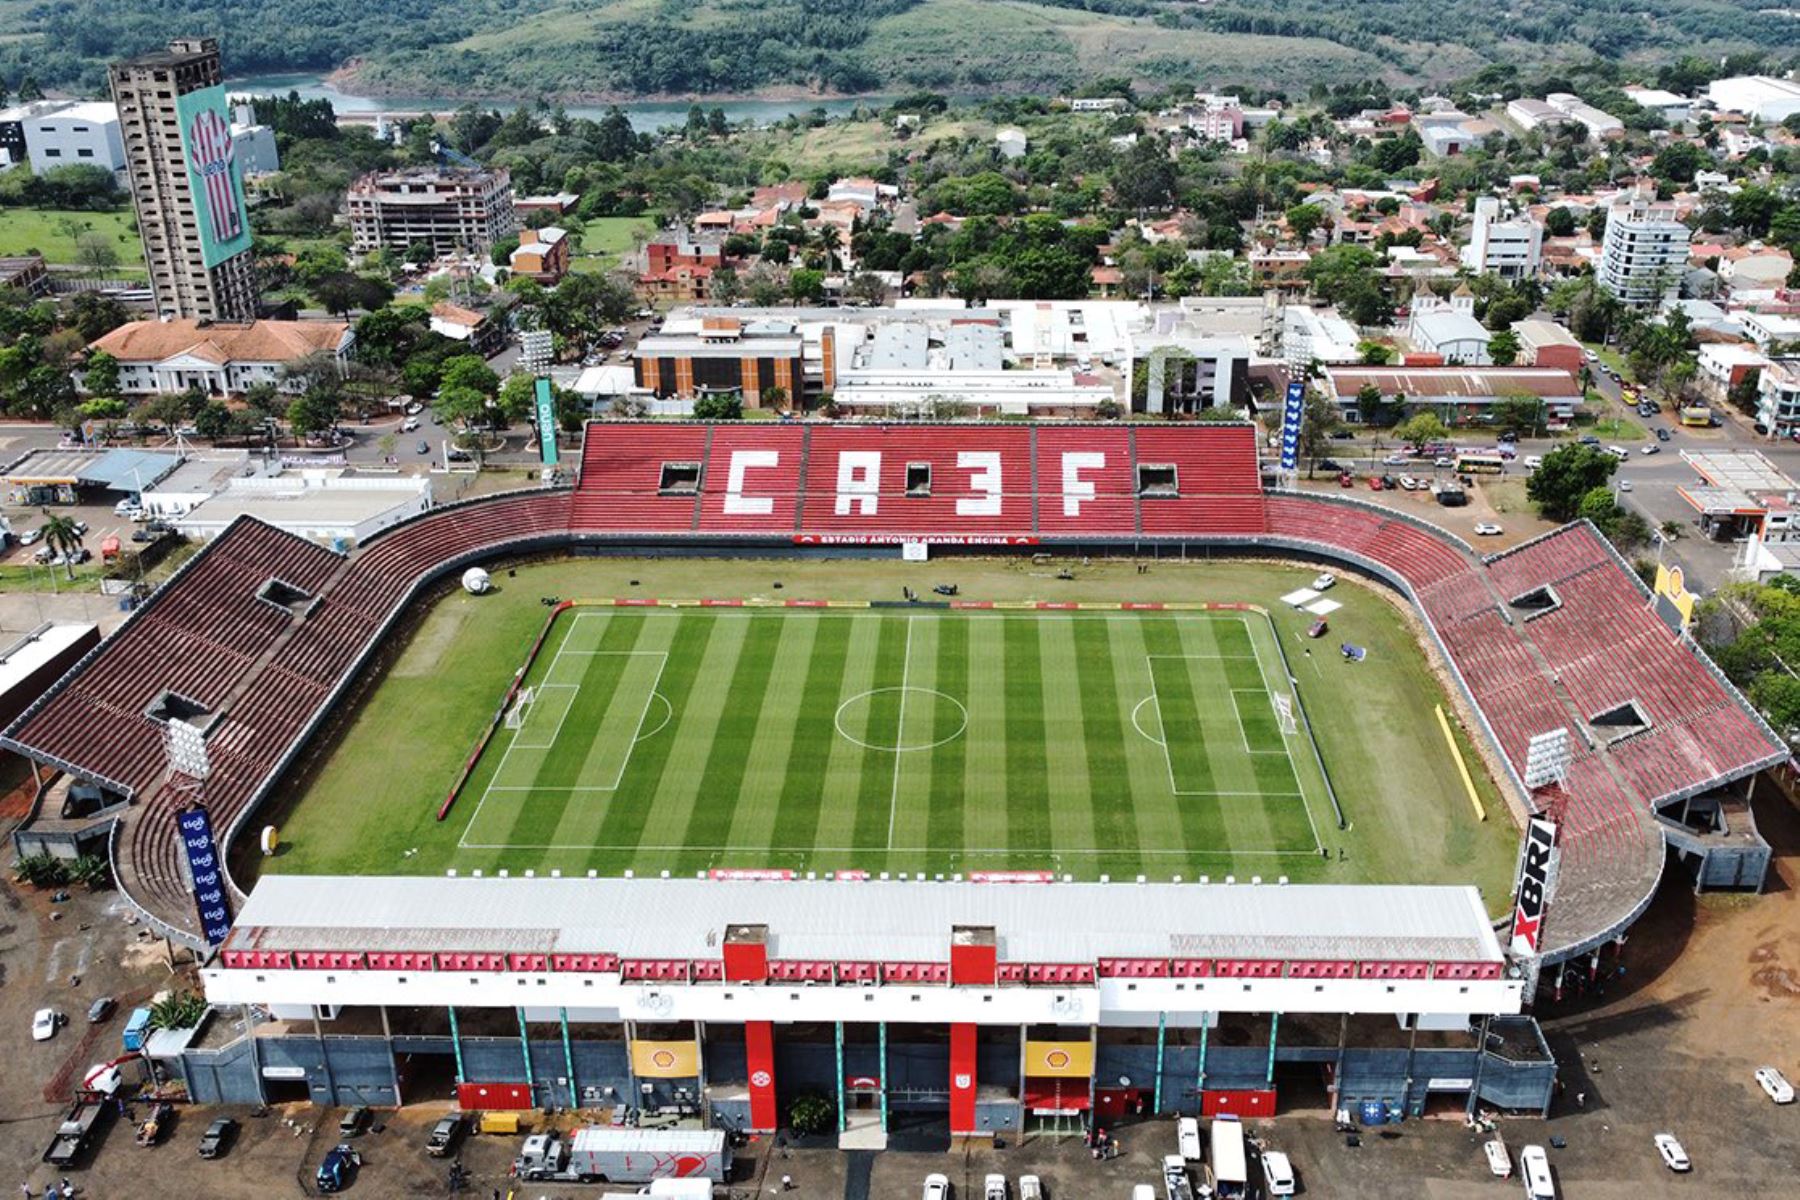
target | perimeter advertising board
[{"x": 213, "y": 175}]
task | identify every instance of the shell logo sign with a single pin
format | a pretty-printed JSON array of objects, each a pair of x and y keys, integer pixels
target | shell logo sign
[
  {"x": 665, "y": 1060},
  {"x": 1059, "y": 1060}
]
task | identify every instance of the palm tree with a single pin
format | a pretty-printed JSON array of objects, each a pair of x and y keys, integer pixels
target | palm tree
[
  {"x": 830, "y": 238},
  {"x": 63, "y": 538}
]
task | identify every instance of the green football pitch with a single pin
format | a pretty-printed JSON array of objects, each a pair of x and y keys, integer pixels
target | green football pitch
[{"x": 860, "y": 738}]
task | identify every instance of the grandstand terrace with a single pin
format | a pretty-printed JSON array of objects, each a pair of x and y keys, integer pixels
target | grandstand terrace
[{"x": 263, "y": 667}]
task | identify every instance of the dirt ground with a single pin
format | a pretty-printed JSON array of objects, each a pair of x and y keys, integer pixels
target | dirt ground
[{"x": 1711, "y": 990}]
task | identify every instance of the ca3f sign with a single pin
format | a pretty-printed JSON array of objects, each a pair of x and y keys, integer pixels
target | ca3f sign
[{"x": 1534, "y": 887}]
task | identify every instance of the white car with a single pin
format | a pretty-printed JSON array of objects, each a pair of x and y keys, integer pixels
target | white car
[
  {"x": 1673, "y": 1156},
  {"x": 1409, "y": 483},
  {"x": 1278, "y": 1173},
  {"x": 1624, "y": 485},
  {"x": 1395, "y": 460},
  {"x": 1775, "y": 1084},
  {"x": 994, "y": 1188},
  {"x": 1487, "y": 528},
  {"x": 1651, "y": 448},
  {"x": 937, "y": 1187},
  {"x": 44, "y": 1024},
  {"x": 1533, "y": 461},
  {"x": 1031, "y": 1188},
  {"x": 1325, "y": 582},
  {"x": 408, "y": 425}
]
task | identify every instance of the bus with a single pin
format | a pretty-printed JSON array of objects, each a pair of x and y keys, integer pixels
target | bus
[
  {"x": 1470, "y": 463},
  {"x": 1231, "y": 1176}
]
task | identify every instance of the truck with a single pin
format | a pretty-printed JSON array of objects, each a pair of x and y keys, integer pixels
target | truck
[
  {"x": 1230, "y": 1171},
  {"x": 137, "y": 1029},
  {"x": 77, "y": 1131},
  {"x": 597, "y": 1154}
]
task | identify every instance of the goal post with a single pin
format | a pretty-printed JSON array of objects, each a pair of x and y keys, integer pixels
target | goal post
[
  {"x": 521, "y": 705},
  {"x": 1284, "y": 713}
]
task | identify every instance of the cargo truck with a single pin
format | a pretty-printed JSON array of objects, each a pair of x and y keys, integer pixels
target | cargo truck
[
  {"x": 77, "y": 1131},
  {"x": 595, "y": 1154}
]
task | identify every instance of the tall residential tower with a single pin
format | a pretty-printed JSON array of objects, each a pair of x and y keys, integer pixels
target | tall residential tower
[{"x": 185, "y": 182}]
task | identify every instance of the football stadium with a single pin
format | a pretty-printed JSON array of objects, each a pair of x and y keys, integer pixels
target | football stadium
[{"x": 979, "y": 776}]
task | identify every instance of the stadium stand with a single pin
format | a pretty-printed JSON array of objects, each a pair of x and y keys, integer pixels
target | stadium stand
[{"x": 261, "y": 632}]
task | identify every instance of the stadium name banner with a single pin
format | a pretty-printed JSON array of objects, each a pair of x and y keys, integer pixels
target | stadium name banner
[
  {"x": 1534, "y": 888},
  {"x": 1059, "y": 1060},
  {"x": 1291, "y": 414},
  {"x": 665, "y": 1060},
  {"x": 546, "y": 419},
  {"x": 897, "y": 539},
  {"x": 209, "y": 881},
  {"x": 213, "y": 175}
]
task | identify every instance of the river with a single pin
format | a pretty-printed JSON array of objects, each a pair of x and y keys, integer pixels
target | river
[{"x": 647, "y": 116}]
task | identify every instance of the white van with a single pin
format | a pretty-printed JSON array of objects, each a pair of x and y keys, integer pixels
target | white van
[
  {"x": 1278, "y": 1173},
  {"x": 1143, "y": 1191},
  {"x": 1187, "y": 1138},
  {"x": 1619, "y": 452},
  {"x": 1534, "y": 1169}
]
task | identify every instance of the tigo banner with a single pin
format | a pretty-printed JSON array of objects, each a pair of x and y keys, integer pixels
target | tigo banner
[
  {"x": 665, "y": 1060},
  {"x": 1059, "y": 1060}
]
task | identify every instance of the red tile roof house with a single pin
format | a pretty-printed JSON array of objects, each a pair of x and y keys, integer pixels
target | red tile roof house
[{"x": 219, "y": 358}]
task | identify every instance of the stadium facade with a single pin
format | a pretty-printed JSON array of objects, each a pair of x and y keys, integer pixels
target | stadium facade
[{"x": 545, "y": 991}]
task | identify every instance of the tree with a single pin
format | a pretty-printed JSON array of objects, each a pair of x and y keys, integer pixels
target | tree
[
  {"x": 774, "y": 397},
  {"x": 806, "y": 286},
  {"x": 1345, "y": 276},
  {"x": 719, "y": 406},
  {"x": 263, "y": 398},
  {"x": 100, "y": 376},
  {"x": 96, "y": 252},
  {"x": 62, "y": 537},
  {"x": 1519, "y": 414},
  {"x": 1375, "y": 354},
  {"x": 1422, "y": 428},
  {"x": 1144, "y": 176},
  {"x": 1302, "y": 219},
  {"x": 1566, "y": 475},
  {"x": 1746, "y": 394},
  {"x": 314, "y": 411},
  {"x": 213, "y": 421},
  {"x": 1318, "y": 420},
  {"x": 1559, "y": 222},
  {"x": 811, "y": 1114},
  {"x": 1503, "y": 348},
  {"x": 95, "y": 314},
  {"x": 178, "y": 1010},
  {"x": 1677, "y": 162}
]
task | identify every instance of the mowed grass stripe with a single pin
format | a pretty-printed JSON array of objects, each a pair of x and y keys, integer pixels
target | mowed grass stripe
[
  {"x": 707, "y": 713},
  {"x": 628, "y": 816},
  {"x": 1027, "y": 780},
  {"x": 538, "y": 812},
  {"x": 772, "y": 750},
  {"x": 984, "y": 783},
  {"x": 735, "y": 739},
  {"x": 874, "y": 797},
  {"x": 1242, "y": 807},
  {"x": 1202, "y": 823},
  {"x": 948, "y": 795},
  {"x": 1144, "y": 801},
  {"x": 919, "y": 724},
  {"x": 803, "y": 780},
  {"x": 1071, "y": 801},
  {"x": 1105, "y": 725},
  {"x": 844, "y": 765}
]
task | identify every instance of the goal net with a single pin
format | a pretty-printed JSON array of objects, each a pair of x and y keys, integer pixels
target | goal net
[
  {"x": 515, "y": 716},
  {"x": 1284, "y": 712}
]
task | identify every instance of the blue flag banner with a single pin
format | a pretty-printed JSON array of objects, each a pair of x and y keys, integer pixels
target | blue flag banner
[
  {"x": 196, "y": 832},
  {"x": 1290, "y": 425}
]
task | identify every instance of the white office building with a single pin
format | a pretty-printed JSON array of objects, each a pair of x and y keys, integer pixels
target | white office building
[
  {"x": 1510, "y": 248},
  {"x": 64, "y": 133},
  {"x": 1448, "y": 328},
  {"x": 1759, "y": 97},
  {"x": 1597, "y": 123},
  {"x": 1644, "y": 254},
  {"x": 253, "y": 144}
]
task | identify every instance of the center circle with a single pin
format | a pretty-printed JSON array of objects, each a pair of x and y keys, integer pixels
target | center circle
[{"x": 891, "y": 711}]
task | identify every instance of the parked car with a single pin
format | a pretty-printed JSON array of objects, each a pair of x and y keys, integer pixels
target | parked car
[
  {"x": 1031, "y": 1188},
  {"x": 44, "y": 1024},
  {"x": 409, "y": 425},
  {"x": 1347, "y": 480},
  {"x": 1775, "y": 1085},
  {"x": 1488, "y": 529},
  {"x": 1673, "y": 1156},
  {"x": 31, "y": 537},
  {"x": 1498, "y": 1160},
  {"x": 1324, "y": 582},
  {"x": 338, "y": 1169},
  {"x": 1409, "y": 483},
  {"x": 1443, "y": 461},
  {"x": 937, "y": 1187},
  {"x": 1624, "y": 485},
  {"x": 100, "y": 1009},
  {"x": 1533, "y": 461},
  {"x": 414, "y": 409},
  {"x": 1663, "y": 435},
  {"x": 1619, "y": 452},
  {"x": 424, "y": 447},
  {"x": 353, "y": 1122},
  {"x": 444, "y": 1136},
  {"x": 1588, "y": 439},
  {"x": 994, "y": 1188},
  {"x": 1330, "y": 464},
  {"x": 1278, "y": 1173},
  {"x": 217, "y": 1138},
  {"x": 1337, "y": 435}
]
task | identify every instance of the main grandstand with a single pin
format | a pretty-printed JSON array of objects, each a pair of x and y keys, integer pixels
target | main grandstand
[{"x": 262, "y": 635}]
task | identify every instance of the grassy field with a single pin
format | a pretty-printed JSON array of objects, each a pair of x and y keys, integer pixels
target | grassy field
[
  {"x": 48, "y": 232},
  {"x": 605, "y": 240},
  {"x": 1092, "y": 743}
]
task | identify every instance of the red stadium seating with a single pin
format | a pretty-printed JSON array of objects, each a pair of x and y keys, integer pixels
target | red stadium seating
[{"x": 1086, "y": 485}]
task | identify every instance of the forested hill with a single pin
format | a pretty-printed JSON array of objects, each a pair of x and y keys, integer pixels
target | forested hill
[{"x": 593, "y": 48}]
